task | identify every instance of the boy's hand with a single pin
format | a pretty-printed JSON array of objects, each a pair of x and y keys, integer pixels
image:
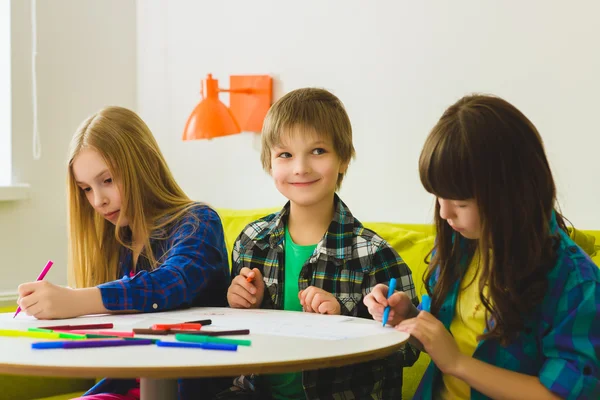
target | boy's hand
[
  {"x": 245, "y": 294},
  {"x": 45, "y": 300},
  {"x": 401, "y": 306},
  {"x": 319, "y": 301}
]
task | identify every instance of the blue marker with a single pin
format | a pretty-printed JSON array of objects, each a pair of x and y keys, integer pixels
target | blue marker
[
  {"x": 425, "y": 303},
  {"x": 386, "y": 312},
  {"x": 205, "y": 346}
]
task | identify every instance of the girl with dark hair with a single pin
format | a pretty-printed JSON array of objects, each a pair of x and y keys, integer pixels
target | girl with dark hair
[{"x": 515, "y": 303}]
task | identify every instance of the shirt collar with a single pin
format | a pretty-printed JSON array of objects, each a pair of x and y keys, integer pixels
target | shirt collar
[{"x": 337, "y": 241}]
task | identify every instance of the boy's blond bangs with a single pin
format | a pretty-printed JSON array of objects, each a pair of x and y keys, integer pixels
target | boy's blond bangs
[{"x": 308, "y": 111}]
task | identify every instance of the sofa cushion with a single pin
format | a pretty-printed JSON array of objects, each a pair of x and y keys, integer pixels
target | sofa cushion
[{"x": 412, "y": 244}]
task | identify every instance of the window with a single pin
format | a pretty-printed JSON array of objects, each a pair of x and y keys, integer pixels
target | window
[{"x": 5, "y": 96}]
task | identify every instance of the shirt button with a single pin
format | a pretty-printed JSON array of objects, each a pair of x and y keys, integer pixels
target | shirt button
[
  {"x": 155, "y": 306},
  {"x": 587, "y": 370}
]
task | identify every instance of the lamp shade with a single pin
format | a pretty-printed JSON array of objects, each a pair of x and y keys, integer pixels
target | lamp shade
[{"x": 210, "y": 118}]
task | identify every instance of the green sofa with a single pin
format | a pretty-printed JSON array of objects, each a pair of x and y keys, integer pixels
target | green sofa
[{"x": 413, "y": 242}]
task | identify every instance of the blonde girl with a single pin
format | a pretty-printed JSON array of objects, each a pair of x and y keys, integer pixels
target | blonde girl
[{"x": 137, "y": 243}]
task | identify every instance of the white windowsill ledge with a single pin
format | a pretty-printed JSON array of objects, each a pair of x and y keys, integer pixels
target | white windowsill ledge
[
  {"x": 14, "y": 192},
  {"x": 8, "y": 298}
]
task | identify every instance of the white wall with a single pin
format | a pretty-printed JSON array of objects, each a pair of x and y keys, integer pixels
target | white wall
[
  {"x": 396, "y": 65},
  {"x": 86, "y": 60}
]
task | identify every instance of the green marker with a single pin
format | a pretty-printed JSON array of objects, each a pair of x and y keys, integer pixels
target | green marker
[
  {"x": 39, "y": 330},
  {"x": 61, "y": 335},
  {"x": 64, "y": 335},
  {"x": 182, "y": 337}
]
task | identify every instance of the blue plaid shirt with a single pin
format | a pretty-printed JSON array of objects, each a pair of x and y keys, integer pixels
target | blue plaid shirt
[
  {"x": 193, "y": 271},
  {"x": 560, "y": 345}
]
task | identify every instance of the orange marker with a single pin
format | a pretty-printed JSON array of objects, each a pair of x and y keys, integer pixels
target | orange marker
[
  {"x": 250, "y": 279},
  {"x": 190, "y": 327}
]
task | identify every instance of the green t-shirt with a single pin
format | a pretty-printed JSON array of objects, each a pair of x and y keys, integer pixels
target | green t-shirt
[{"x": 289, "y": 386}]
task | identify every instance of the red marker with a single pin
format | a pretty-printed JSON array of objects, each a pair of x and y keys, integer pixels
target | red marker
[
  {"x": 78, "y": 327},
  {"x": 189, "y": 327}
]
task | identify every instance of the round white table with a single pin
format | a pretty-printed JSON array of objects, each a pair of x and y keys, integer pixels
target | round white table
[{"x": 282, "y": 341}]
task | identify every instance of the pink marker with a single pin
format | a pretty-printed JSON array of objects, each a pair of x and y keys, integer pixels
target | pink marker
[{"x": 39, "y": 278}]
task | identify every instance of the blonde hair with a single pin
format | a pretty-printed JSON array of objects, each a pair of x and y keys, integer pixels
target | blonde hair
[
  {"x": 312, "y": 110},
  {"x": 150, "y": 197}
]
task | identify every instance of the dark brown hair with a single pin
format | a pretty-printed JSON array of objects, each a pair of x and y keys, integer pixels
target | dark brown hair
[{"x": 483, "y": 148}]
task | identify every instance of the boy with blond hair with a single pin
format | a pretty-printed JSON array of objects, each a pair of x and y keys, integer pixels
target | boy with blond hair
[{"x": 313, "y": 255}]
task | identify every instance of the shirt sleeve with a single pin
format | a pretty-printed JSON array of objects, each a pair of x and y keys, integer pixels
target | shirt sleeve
[
  {"x": 196, "y": 258},
  {"x": 237, "y": 265},
  {"x": 236, "y": 255},
  {"x": 572, "y": 367},
  {"x": 388, "y": 264}
]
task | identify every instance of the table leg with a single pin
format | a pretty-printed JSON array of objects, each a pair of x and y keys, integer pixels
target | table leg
[{"x": 158, "y": 389}]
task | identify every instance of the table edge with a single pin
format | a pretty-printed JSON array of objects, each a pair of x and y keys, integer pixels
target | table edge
[{"x": 199, "y": 371}]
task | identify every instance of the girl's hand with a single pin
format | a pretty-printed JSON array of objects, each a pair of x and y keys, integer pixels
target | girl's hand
[
  {"x": 401, "y": 306},
  {"x": 435, "y": 339},
  {"x": 247, "y": 289},
  {"x": 314, "y": 299},
  {"x": 45, "y": 300}
]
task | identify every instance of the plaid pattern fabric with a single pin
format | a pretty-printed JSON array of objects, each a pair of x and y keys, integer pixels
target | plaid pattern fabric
[
  {"x": 561, "y": 340},
  {"x": 348, "y": 262},
  {"x": 193, "y": 271},
  {"x": 193, "y": 268}
]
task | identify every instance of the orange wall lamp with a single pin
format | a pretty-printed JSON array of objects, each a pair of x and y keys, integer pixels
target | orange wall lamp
[{"x": 249, "y": 100}]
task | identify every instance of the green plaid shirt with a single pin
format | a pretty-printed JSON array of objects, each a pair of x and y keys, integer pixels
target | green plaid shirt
[
  {"x": 348, "y": 262},
  {"x": 560, "y": 342}
]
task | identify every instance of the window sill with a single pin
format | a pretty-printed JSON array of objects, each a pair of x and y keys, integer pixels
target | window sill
[
  {"x": 14, "y": 192},
  {"x": 8, "y": 299}
]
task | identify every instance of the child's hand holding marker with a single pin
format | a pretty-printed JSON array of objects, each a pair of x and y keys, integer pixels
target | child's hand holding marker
[
  {"x": 45, "y": 300},
  {"x": 400, "y": 305},
  {"x": 425, "y": 303},
  {"x": 247, "y": 289},
  {"x": 386, "y": 311}
]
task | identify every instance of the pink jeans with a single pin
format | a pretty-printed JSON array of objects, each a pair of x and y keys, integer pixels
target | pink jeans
[{"x": 133, "y": 394}]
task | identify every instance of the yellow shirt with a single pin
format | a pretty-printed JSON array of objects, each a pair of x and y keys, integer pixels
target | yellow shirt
[{"x": 468, "y": 323}]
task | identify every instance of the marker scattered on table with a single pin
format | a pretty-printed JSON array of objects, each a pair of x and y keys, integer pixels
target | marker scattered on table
[
  {"x": 205, "y": 346},
  {"x": 84, "y": 344},
  {"x": 202, "y": 322},
  {"x": 78, "y": 327},
  {"x": 38, "y": 335},
  {"x": 39, "y": 278},
  {"x": 220, "y": 333},
  {"x": 386, "y": 312},
  {"x": 141, "y": 331},
  {"x": 210, "y": 339},
  {"x": 186, "y": 326}
]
